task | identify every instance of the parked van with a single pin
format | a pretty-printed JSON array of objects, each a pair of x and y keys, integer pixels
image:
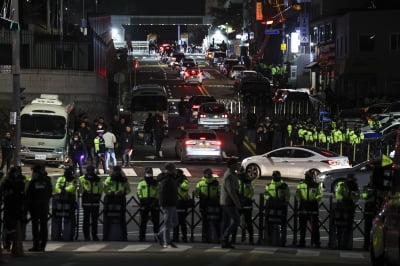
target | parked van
[{"x": 46, "y": 124}]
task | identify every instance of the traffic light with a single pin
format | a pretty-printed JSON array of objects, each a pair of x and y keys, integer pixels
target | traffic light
[{"x": 9, "y": 24}]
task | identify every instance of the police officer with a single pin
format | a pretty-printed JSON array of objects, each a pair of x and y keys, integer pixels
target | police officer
[
  {"x": 64, "y": 205},
  {"x": 246, "y": 193},
  {"x": 38, "y": 193},
  {"x": 12, "y": 188},
  {"x": 116, "y": 187},
  {"x": 277, "y": 195},
  {"x": 99, "y": 150},
  {"x": 347, "y": 194},
  {"x": 147, "y": 192},
  {"x": 309, "y": 193},
  {"x": 91, "y": 189},
  {"x": 373, "y": 194},
  {"x": 208, "y": 190},
  {"x": 184, "y": 202}
]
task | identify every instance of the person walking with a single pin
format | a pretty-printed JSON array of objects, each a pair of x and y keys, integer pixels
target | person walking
[
  {"x": 38, "y": 193},
  {"x": 91, "y": 190},
  {"x": 148, "y": 130},
  {"x": 12, "y": 187},
  {"x": 110, "y": 141},
  {"x": 159, "y": 125},
  {"x": 99, "y": 150},
  {"x": 127, "y": 142},
  {"x": 261, "y": 139},
  {"x": 184, "y": 202},
  {"x": 77, "y": 151},
  {"x": 7, "y": 149},
  {"x": 309, "y": 194},
  {"x": 238, "y": 139},
  {"x": 246, "y": 193},
  {"x": 116, "y": 187},
  {"x": 277, "y": 194},
  {"x": 168, "y": 197},
  {"x": 147, "y": 193},
  {"x": 230, "y": 204},
  {"x": 208, "y": 191}
]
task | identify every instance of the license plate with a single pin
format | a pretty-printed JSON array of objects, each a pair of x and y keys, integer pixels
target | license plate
[{"x": 40, "y": 156}]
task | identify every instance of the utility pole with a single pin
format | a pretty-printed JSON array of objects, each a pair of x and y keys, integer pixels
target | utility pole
[{"x": 16, "y": 71}]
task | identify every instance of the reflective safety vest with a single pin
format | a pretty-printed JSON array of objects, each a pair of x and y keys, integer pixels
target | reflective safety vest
[
  {"x": 63, "y": 185},
  {"x": 289, "y": 129},
  {"x": 111, "y": 185},
  {"x": 99, "y": 145},
  {"x": 246, "y": 188},
  {"x": 183, "y": 190},
  {"x": 207, "y": 188},
  {"x": 89, "y": 186},
  {"x": 343, "y": 192},
  {"x": 277, "y": 190},
  {"x": 308, "y": 192},
  {"x": 322, "y": 137},
  {"x": 337, "y": 136},
  {"x": 147, "y": 190}
]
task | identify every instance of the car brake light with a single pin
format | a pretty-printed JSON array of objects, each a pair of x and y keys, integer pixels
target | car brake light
[
  {"x": 331, "y": 162},
  {"x": 195, "y": 106},
  {"x": 202, "y": 138},
  {"x": 190, "y": 142}
]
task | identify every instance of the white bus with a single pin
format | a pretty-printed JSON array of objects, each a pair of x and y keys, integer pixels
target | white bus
[
  {"x": 45, "y": 126},
  {"x": 147, "y": 98}
]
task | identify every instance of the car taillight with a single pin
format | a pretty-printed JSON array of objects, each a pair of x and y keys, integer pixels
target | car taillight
[
  {"x": 224, "y": 116},
  {"x": 216, "y": 143},
  {"x": 195, "y": 106},
  {"x": 332, "y": 162},
  {"x": 202, "y": 115},
  {"x": 194, "y": 72},
  {"x": 190, "y": 142}
]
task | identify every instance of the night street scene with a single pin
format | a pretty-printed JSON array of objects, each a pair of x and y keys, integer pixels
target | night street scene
[{"x": 209, "y": 132}]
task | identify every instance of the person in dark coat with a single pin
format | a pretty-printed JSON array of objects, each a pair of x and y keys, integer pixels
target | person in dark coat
[
  {"x": 262, "y": 138},
  {"x": 7, "y": 148},
  {"x": 277, "y": 135},
  {"x": 12, "y": 188},
  {"x": 38, "y": 193},
  {"x": 159, "y": 126},
  {"x": 238, "y": 138},
  {"x": 77, "y": 151},
  {"x": 127, "y": 141}
]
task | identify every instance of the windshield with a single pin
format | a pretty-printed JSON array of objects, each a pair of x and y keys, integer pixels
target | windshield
[
  {"x": 149, "y": 103},
  {"x": 43, "y": 126}
]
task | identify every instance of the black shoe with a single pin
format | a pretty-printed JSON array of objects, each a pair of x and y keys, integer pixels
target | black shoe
[
  {"x": 35, "y": 249},
  {"x": 87, "y": 238},
  {"x": 301, "y": 245}
]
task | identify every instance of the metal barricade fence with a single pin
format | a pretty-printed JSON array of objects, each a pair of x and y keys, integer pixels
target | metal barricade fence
[{"x": 194, "y": 219}]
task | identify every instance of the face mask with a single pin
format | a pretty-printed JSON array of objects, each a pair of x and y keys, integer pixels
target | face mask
[{"x": 75, "y": 139}]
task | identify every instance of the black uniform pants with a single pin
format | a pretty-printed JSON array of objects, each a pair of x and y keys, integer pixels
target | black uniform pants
[
  {"x": 182, "y": 213},
  {"x": 145, "y": 214},
  {"x": 304, "y": 217},
  {"x": 38, "y": 215},
  {"x": 90, "y": 217},
  {"x": 247, "y": 213}
]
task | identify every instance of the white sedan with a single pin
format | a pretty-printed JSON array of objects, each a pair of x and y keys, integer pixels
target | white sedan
[{"x": 294, "y": 162}]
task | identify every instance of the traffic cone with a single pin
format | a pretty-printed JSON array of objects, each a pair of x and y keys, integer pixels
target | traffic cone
[{"x": 17, "y": 249}]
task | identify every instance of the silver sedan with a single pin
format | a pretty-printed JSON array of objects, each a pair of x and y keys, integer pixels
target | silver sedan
[{"x": 294, "y": 162}]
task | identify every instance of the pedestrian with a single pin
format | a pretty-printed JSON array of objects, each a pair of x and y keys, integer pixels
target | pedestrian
[
  {"x": 110, "y": 140},
  {"x": 309, "y": 194},
  {"x": 7, "y": 148},
  {"x": 64, "y": 206},
  {"x": 91, "y": 190},
  {"x": 168, "y": 197},
  {"x": 261, "y": 140},
  {"x": 148, "y": 130},
  {"x": 184, "y": 202},
  {"x": 38, "y": 193},
  {"x": 127, "y": 142},
  {"x": 246, "y": 193},
  {"x": 230, "y": 204},
  {"x": 373, "y": 194},
  {"x": 277, "y": 195},
  {"x": 159, "y": 126},
  {"x": 77, "y": 151},
  {"x": 238, "y": 139},
  {"x": 12, "y": 187},
  {"x": 208, "y": 191},
  {"x": 147, "y": 193},
  {"x": 347, "y": 194},
  {"x": 84, "y": 134},
  {"x": 116, "y": 187},
  {"x": 99, "y": 148}
]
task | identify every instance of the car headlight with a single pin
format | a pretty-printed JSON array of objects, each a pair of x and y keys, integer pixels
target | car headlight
[
  {"x": 59, "y": 150},
  {"x": 24, "y": 149}
]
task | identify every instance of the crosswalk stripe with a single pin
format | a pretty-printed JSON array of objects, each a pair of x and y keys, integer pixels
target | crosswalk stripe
[
  {"x": 352, "y": 255},
  {"x": 53, "y": 246},
  {"x": 129, "y": 172},
  {"x": 133, "y": 248},
  {"x": 307, "y": 253},
  {"x": 180, "y": 248},
  {"x": 90, "y": 248},
  {"x": 217, "y": 250},
  {"x": 268, "y": 251}
]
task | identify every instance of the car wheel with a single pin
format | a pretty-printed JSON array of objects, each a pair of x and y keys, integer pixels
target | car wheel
[
  {"x": 335, "y": 184},
  {"x": 253, "y": 171}
]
